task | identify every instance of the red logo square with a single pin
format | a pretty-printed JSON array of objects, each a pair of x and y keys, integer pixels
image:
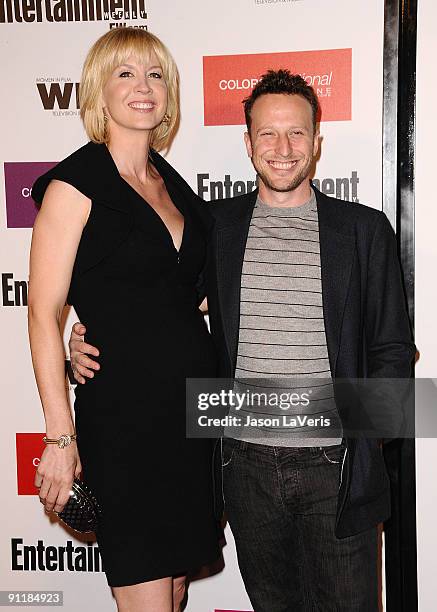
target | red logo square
[{"x": 30, "y": 447}]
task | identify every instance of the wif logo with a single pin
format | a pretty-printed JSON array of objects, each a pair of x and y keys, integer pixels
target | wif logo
[
  {"x": 62, "y": 95},
  {"x": 59, "y": 95}
]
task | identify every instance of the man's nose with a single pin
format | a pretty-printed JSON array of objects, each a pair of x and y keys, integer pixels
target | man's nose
[{"x": 284, "y": 146}]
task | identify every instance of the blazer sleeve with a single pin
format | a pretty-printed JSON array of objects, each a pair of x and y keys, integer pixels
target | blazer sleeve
[{"x": 390, "y": 347}]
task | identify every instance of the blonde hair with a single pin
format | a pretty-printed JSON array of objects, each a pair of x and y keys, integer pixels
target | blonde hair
[{"x": 111, "y": 50}]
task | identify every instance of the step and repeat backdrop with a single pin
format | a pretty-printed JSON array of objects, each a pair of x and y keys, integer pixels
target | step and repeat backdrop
[{"x": 221, "y": 48}]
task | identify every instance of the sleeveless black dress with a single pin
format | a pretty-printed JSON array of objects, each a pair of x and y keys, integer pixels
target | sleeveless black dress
[{"x": 138, "y": 297}]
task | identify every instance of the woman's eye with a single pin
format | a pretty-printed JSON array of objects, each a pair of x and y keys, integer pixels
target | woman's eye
[
  {"x": 125, "y": 73},
  {"x": 155, "y": 75}
]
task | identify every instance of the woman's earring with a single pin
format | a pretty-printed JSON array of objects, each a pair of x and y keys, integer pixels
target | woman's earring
[{"x": 166, "y": 118}]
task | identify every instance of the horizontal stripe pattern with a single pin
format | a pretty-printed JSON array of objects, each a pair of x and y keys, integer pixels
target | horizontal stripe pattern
[{"x": 282, "y": 331}]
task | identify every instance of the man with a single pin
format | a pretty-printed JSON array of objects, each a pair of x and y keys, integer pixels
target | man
[{"x": 300, "y": 284}]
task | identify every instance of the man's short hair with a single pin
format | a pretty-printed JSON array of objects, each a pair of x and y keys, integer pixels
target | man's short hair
[{"x": 281, "y": 82}]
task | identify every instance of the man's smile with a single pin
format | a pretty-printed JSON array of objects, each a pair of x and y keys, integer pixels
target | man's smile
[{"x": 278, "y": 165}]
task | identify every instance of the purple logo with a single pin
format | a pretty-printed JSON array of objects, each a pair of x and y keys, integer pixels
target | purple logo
[{"x": 19, "y": 178}]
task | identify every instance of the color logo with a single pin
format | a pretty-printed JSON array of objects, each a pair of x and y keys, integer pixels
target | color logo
[
  {"x": 19, "y": 178},
  {"x": 30, "y": 447},
  {"x": 228, "y": 79}
]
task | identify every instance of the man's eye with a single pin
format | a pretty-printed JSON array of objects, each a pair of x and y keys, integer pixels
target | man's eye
[
  {"x": 266, "y": 133},
  {"x": 297, "y": 133}
]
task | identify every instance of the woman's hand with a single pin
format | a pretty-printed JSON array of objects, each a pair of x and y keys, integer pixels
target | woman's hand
[
  {"x": 55, "y": 473},
  {"x": 81, "y": 364}
]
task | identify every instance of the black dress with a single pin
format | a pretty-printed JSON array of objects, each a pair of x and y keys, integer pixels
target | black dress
[{"x": 138, "y": 297}]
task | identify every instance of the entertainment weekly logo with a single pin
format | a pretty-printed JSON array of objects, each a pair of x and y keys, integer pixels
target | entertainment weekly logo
[
  {"x": 63, "y": 11},
  {"x": 19, "y": 178},
  {"x": 228, "y": 79},
  {"x": 341, "y": 187},
  {"x": 42, "y": 557},
  {"x": 14, "y": 292},
  {"x": 29, "y": 448}
]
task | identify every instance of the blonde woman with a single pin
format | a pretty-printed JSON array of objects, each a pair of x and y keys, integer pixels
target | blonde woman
[{"x": 121, "y": 237}]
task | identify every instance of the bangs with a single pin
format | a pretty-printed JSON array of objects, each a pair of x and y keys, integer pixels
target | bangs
[
  {"x": 110, "y": 51},
  {"x": 135, "y": 44}
]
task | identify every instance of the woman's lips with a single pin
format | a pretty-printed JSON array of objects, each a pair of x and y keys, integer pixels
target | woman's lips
[{"x": 142, "y": 107}]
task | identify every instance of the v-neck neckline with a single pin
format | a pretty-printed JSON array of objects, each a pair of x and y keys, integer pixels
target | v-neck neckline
[{"x": 152, "y": 209}]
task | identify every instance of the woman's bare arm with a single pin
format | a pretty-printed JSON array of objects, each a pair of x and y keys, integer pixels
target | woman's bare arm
[{"x": 56, "y": 235}]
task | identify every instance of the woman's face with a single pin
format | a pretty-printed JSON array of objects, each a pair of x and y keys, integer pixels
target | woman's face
[{"x": 135, "y": 95}]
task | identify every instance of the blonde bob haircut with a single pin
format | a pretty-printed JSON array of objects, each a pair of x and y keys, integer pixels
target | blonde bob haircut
[{"x": 112, "y": 50}]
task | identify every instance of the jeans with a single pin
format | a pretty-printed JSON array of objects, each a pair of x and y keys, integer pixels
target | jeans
[{"x": 281, "y": 505}]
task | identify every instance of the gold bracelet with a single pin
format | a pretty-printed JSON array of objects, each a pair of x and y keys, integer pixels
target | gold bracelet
[{"x": 63, "y": 440}]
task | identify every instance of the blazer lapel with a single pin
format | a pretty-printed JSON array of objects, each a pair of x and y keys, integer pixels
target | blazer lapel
[
  {"x": 337, "y": 253},
  {"x": 230, "y": 246}
]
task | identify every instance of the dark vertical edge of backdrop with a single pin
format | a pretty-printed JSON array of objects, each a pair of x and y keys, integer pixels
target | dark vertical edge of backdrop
[
  {"x": 400, "y": 34},
  {"x": 389, "y": 110}
]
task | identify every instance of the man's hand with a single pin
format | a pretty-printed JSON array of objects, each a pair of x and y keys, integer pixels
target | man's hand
[
  {"x": 204, "y": 307},
  {"x": 81, "y": 364}
]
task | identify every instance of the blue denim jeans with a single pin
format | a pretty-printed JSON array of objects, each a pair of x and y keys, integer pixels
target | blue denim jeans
[{"x": 281, "y": 505}]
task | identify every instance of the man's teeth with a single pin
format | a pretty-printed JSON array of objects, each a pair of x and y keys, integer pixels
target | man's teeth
[
  {"x": 282, "y": 165},
  {"x": 141, "y": 105}
]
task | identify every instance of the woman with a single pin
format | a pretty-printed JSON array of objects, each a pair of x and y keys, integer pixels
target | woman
[{"x": 121, "y": 236}]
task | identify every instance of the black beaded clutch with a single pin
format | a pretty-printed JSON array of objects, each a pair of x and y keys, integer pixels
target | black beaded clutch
[{"x": 82, "y": 511}]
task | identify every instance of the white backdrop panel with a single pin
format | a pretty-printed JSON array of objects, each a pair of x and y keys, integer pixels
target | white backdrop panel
[{"x": 50, "y": 53}]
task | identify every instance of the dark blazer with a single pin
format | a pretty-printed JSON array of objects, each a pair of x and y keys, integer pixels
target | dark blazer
[{"x": 366, "y": 322}]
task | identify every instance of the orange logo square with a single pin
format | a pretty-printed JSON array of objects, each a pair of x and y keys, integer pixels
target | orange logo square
[{"x": 228, "y": 79}]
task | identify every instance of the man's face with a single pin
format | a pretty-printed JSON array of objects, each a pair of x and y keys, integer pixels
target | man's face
[{"x": 282, "y": 142}]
